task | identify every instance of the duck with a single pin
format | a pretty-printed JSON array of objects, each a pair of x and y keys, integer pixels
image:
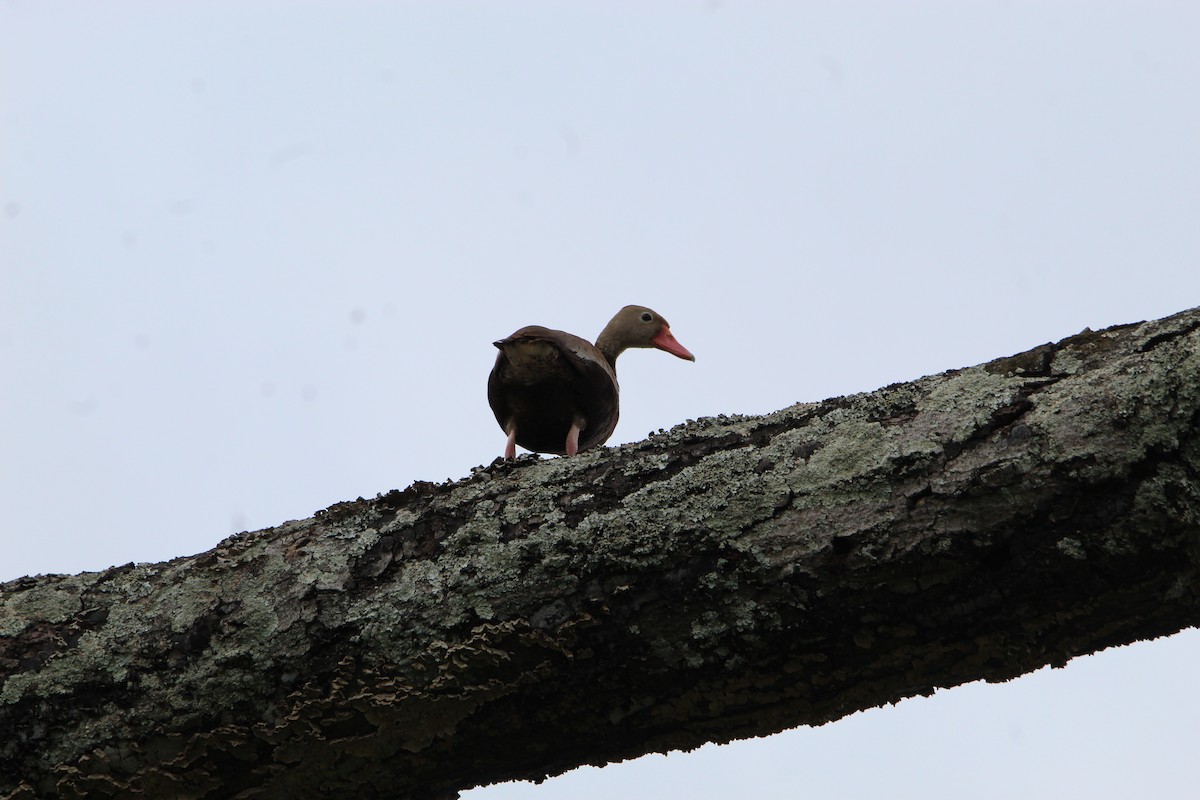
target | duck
[{"x": 557, "y": 393}]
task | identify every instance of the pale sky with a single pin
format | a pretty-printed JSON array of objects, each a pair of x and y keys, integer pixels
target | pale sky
[{"x": 253, "y": 256}]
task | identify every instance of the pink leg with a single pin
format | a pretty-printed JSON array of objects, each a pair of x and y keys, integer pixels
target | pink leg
[
  {"x": 510, "y": 449},
  {"x": 573, "y": 438}
]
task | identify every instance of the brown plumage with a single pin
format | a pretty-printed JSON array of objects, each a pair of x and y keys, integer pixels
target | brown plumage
[{"x": 553, "y": 392}]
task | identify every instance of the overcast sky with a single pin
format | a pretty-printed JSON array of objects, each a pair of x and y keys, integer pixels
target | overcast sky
[{"x": 254, "y": 255}]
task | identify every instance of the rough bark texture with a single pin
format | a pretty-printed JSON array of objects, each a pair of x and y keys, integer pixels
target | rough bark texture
[{"x": 731, "y": 577}]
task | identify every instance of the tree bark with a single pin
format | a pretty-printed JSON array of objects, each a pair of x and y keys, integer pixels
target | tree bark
[{"x": 732, "y": 577}]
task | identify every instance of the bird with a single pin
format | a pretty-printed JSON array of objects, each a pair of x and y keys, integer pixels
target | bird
[{"x": 554, "y": 392}]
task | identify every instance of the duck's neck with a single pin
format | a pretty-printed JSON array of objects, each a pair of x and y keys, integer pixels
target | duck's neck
[{"x": 610, "y": 346}]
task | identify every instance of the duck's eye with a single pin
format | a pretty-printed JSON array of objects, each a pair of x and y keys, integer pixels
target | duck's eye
[{"x": 647, "y": 316}]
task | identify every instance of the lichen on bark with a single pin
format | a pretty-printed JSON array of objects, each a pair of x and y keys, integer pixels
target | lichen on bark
[{"x": 733, "y": 576}]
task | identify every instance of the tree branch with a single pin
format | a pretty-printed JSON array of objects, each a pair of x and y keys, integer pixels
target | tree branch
[{"x": 733, "y": 577}]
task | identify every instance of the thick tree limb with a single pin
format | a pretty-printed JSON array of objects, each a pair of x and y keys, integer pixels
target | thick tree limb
[{"x": 733, "y": 577}]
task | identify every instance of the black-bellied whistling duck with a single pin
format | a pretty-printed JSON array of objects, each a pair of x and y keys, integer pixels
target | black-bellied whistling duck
[{"x": 553, "y": 392}]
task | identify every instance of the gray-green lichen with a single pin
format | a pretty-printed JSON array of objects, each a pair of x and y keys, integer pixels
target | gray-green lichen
[{"x": 729, "y": 577}]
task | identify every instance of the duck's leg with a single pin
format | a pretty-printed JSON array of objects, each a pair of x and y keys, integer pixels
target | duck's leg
[
  {"x": 577, "y": 425},
  {"x": 510, "y": 449}
]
